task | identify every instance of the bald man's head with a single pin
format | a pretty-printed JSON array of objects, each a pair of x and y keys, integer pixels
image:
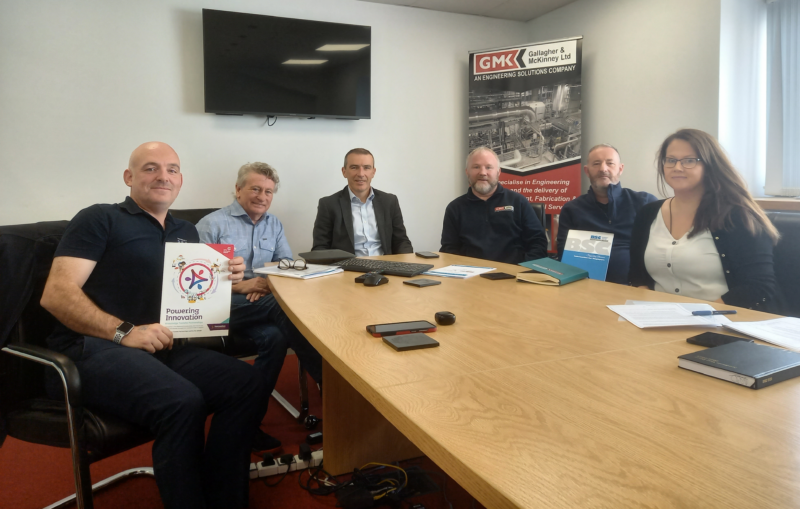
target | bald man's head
[
  {"x": 144, "y": 149},
  {"x": 154, "y": 176}
]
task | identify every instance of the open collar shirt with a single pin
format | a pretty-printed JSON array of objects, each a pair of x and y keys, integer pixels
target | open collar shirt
[
  {"x": 259, "y": 243},
  {"x": 366, "y": 239}
]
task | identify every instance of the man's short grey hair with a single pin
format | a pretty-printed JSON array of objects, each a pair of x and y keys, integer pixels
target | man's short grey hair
[
  {"x": 481, "y": 149},
  {"x": 604, "y": 145},
  {"x": 260, "y": 168}
]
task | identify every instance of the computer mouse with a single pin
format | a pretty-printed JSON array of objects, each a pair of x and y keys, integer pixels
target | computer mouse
[
  {"x": 445, "y": 318},
  {"x": 375, "y": 279}
]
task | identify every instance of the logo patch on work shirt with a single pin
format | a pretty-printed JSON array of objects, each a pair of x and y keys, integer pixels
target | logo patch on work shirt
[{"x": 501, "y": 209}]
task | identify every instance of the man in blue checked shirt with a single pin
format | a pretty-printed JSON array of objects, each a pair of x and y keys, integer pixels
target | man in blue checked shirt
[{"x": 259, "y": 238}]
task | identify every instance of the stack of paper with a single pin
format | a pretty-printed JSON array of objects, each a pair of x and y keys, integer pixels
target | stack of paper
[
  {"x": 310, "y": 272},
  {"x": 458, "y": 271},
  {"x": 666, "y": 314},
  {"x": 783, "y": 332},
  {"x": 688, "y": 306}
]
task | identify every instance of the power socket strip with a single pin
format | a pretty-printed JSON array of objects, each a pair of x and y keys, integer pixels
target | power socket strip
[{"x": 259, "y": 470}]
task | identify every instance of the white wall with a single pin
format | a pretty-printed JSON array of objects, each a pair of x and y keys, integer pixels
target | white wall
[
  {"x": 650, "y": 67},
  {"x": 83, "y": 82}
]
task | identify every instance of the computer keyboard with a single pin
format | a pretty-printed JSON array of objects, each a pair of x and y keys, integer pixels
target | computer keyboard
[{"x": 383, "y": 266}]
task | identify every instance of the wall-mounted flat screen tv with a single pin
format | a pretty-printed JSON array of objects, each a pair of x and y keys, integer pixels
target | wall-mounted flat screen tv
[{"x": 266, "y": 65}]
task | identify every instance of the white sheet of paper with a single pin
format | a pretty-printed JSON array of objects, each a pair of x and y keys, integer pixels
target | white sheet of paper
[
  {"x": 310, "y": 272},
  {"x": 688, "y": 306},
  {"x": 783, "y": 332},
  {"x": 458, "y": 271},
  {"x": 660, "y": 315},
  {"x": 196, "y": 291}
]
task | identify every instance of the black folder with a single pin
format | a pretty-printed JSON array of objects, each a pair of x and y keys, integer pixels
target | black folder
[{"x": 744, "y": 363}]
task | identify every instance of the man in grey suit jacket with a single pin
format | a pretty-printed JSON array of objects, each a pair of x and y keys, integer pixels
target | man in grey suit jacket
[{"x": 360, "y": 219}]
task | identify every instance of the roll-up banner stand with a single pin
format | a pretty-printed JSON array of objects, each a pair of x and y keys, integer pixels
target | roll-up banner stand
[{"x": 525, "y": 104}]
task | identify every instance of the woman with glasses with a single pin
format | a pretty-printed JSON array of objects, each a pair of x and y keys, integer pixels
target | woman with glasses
[{"x": 710, "y": 241}]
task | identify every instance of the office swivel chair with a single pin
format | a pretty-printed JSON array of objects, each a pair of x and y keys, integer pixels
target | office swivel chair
[
  {"x": 26, "y": 413},
  {"x": 785, "y": 256},
  {"x": 538, "y": 209},
  {"x": 242, "y": 347}
]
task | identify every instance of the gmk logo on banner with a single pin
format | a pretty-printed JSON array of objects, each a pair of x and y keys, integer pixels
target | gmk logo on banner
[
  {"x": 541, "y": 55},
  {"x": 497, "y": 61}
]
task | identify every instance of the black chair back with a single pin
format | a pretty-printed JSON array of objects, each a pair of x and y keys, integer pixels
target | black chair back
[
  {"x": 786, "y": 258},
  {"x": 26, "y": 255},
  {"x": 191, "y": 215},
  {"x": 538, "y": 208}
]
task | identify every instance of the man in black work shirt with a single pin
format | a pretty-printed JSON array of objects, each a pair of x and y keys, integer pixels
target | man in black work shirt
[
  {"x": 489, "y": 221},
  {"x": 105, "y": 289}
]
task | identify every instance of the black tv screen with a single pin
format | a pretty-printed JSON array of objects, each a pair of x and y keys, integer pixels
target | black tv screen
[{"x": 266, "y": 65}]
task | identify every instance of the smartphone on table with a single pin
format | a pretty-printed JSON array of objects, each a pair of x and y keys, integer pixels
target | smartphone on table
[
  {"x": 393, "y": 329},
  {"x": 712, "y": 339}
]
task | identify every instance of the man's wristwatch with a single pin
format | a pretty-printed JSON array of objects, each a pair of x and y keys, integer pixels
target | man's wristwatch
[{"x": 123, "y": 330}]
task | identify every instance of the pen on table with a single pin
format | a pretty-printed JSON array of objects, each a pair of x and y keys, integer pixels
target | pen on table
[{"x": 709, "y": 313}]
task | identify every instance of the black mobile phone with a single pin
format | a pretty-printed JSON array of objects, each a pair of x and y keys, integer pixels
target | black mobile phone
[
  {"x": 422, "y": 282},
  {"x": 426, "y": 254},
  {"x": 392, "y": 329},
  {"x": 495, "y": 276},
  {"x": 410, "y": 342},
  {"x": 711, "y": 339}
]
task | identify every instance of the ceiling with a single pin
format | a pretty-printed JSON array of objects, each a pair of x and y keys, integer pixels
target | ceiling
[{"x": 515, "y": 10}]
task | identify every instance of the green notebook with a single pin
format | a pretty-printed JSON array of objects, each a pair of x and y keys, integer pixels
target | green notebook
[{"x": 546, "y": 271}]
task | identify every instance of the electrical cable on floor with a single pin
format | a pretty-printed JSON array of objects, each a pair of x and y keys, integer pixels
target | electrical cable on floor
[
  {"x": 288, "y": 467},
  {"x": 384, "y": 492},
  {"x": 379, "y": 488},
  {"x": 267, "y": 120},
  {"x": 321, "y": 491}
]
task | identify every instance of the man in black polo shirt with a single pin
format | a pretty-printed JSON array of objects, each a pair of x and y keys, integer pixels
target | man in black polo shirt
[
  {"x": 105, "y": 289},
  {"x": 489, "y": 221}
]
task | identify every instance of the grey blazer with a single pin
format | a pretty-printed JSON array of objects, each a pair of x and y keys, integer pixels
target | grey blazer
[{"x": 333, "y": 228}]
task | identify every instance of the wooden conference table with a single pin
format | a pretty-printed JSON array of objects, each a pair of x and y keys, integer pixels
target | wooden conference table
[{"x": 539, "y": 397}]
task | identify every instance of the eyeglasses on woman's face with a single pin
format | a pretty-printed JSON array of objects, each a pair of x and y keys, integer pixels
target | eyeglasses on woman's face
[{"x": 686, "y": 163}]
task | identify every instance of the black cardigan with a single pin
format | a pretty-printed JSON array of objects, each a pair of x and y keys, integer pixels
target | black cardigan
[{"x": 746, "y": 260}]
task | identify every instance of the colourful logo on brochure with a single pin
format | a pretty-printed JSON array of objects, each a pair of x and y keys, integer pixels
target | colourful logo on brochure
[{"x": 195, "y": 279}]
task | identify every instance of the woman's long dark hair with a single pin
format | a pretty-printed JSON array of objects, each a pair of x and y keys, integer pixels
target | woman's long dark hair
[{"x": 725, "y": 195}]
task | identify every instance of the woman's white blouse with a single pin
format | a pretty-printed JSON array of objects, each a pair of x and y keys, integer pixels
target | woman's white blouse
[{"x": 685, "y": 266}]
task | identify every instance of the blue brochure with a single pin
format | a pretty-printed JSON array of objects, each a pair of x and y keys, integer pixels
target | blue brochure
[{"x": 589, "y": 251}]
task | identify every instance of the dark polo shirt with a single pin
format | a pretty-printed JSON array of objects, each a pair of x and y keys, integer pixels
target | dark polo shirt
[
  {"x": 503, "y": 228},
  {"x": 128, "y": 245}
]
